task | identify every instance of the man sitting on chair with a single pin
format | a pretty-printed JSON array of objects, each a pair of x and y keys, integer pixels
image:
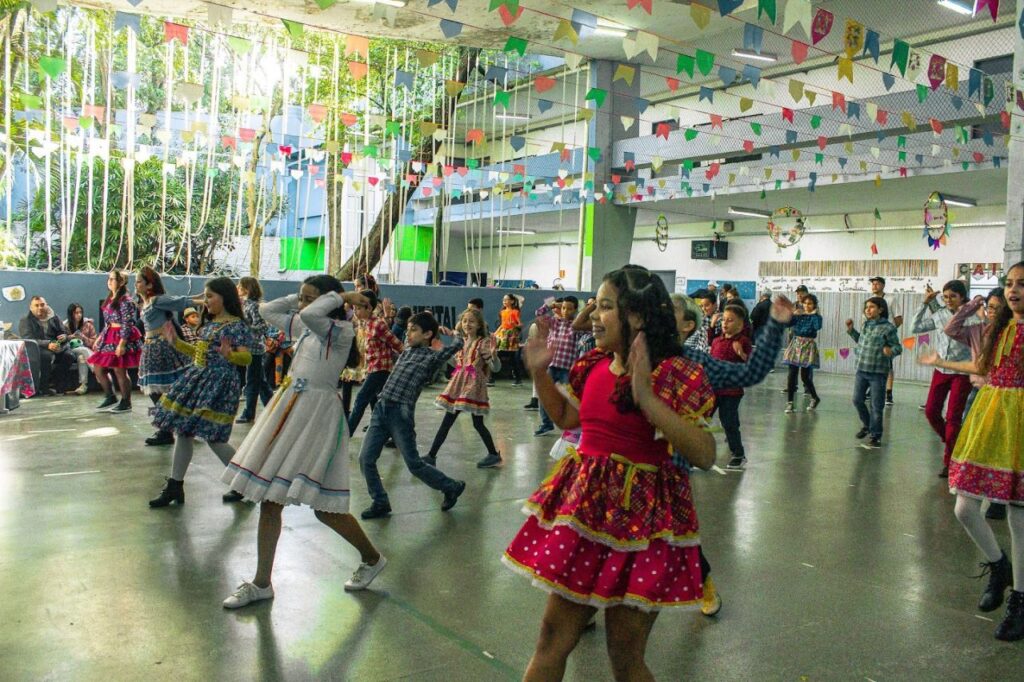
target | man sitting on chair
[{"x": 45, "y": 328}]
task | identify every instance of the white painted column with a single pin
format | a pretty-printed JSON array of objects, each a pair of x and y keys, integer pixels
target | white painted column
[{"x": 1013, "y": 250}]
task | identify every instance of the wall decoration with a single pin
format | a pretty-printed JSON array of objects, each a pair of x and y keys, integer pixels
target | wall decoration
[
  {"x": 786, "y": 227},
  {"x": 936, "y": 221},
  {"x": 661, "y": 233}
]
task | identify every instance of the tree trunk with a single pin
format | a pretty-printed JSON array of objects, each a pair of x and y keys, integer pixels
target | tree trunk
[{"x": 370, "y": 250}]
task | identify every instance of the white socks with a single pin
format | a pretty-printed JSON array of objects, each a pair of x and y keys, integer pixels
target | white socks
[
  {"x": 183, "y": 449},
  {"x": 968, "y": 513}
]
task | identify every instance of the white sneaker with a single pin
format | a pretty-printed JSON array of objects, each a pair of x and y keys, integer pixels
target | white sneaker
[
  {"x": 364, "y": 575},
  {"x": 246, "y": 594},
  {"x": 82, "y": 390},
  {"x": 789, "y": 408}
]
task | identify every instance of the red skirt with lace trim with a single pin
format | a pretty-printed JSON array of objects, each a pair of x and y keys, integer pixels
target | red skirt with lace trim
[{"x": 605, "y": 532}]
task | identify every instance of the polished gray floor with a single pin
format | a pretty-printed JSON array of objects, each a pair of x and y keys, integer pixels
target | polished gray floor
[{"x": 834, "y": 562}]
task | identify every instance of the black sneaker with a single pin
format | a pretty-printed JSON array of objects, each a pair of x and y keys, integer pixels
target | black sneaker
[
  {"x": 1012, "y": 627},
  {"x": 872, "y": 443},
  {"x": 888, "y": 398},
  {"x": 376, "y": 511},
  {"x": 736, "y": 463},
  {"x": 244, "y": 420},
  {"x": 161, "y": 438},
  {"x": 543, "y": 431},
  {"x": 490, "y": 461},
  {"x": 122, "y": 407},
  {"x": 110, "y": 400},
  {"x": 863, "y": 432},
  {"x": 532, "y": 406},
  {"x": 431, "y": 460},
  {"x": 452, "y": 497},
  {"x": 944, "y": 472},
  {"x": 232, "y": 496}
]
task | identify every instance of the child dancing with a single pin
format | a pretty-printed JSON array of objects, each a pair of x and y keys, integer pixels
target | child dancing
[
  {"x": 296, "y": 453},
  {"x": 614, "y": 527},
  {"x": 380, "y": 347},
  {"x": 395, "y": 416},
  {"x": 732, "y": 345},
  {"x": 877, "y": 345},
  {"x": 986, "y": 462},
  {"x": 467, "y": 389},
  {"x": 204, "y": 400},
  {"x": 119, "y": 345},
  {"x": 802, "y": 352},
  {"x": 507, "y": 336}
]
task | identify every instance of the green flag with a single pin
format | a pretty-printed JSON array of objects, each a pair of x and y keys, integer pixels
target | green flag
[
  {"x": 324, "y": 4},
  {"x": 241, "y": 46},
  {"x": 766, "y": 7},
  {"x": 705, "y": 61},
  {"x": 900, "y": 56},
  {"x": 514, "y": 44},
  {"x": 52, "y": 66},
  {"x": 503, "y": 98},
  {"x": 597, "y": 95},
  {"x": 685, "y": 62},
  {"x": 690, "y": 134},
  {"x": 756, "y": 127},
  {"x": 294, "y": 28},
  {"x": 815, "y": 122},
  {"x": 31, "y": 101},
  {"x": 922, "y": 93}
]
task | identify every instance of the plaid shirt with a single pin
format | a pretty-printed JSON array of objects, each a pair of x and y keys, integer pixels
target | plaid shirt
[
  {"x": 562, "y": 339},
  {"x": 876, "y": 335},
  {"x": 723, "y": 374},
  {"x": 415, "y": 367},
  {"x": 381, "y": 345},
  {"x": 933, "y": 318}
]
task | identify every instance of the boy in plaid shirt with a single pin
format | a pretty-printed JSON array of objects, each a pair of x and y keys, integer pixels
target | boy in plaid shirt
[
  {"x": 395, "y": 412},
  {"x": 878, "y": 344},
  {"x": 562, "y": 340}
]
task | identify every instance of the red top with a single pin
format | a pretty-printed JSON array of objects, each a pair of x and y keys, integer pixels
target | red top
[
  {"x": 381, "y": 346},
  {"x": 680, "y": 383},
  {"x": 1009, "y": 367},
  {"x": 721, "y": 349}
]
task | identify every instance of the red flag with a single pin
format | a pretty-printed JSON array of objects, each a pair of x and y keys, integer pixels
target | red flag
[
  {"x": 346, "y": 158},
  {"x": 174, "y": 31},
  {"x": 646, "y": 4},
  {"x": 661, "y": 130},
  {"x": 937, "y": 71},
  {"x": 519, "y": 169},
  {"x": 616, "y": 178},
  {"x": 1004, "y": 118},
  {"x": 787, "y": 114},
  {"x": 838, "y": 101},
  {"x": 543, "y": 83},
  {"x": 228, "y": 141},
  {"x": 993, "y": 7},
  {"x": 566, "y": 154},
  {"x": 874, "y": 249},
  {"x": 791, "y": 176},
  {"x": 748, "y": 146},
  {"x": 822, "y": 142},
  {"x": 978, "y": 157},
  {"x": 630, "y": 164},
  {"x": 507, "y": 17},
  {"x": 799, "y": 51},
  {"x": 903, "y": 171},
  {"x": 247, "y": 134},
  {"x": 883, "y": 117},
  {"x": 716, "y": 122},
  {"x": 822, "y": 25},
  {"x": 673, "y": 83},
  {"x": 936, "y": 125}
]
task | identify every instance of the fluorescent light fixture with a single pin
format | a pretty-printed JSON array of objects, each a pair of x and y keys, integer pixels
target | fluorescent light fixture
[
  {"x": 389, "y": 3},
  {"x": 611, "y": 30},
  {"x": 751, "y": 212},
  {"x": 512, "y": 117},
  {"x": 959, "y": 6},
  {"x": 958, "y": 201},
  {"x": 516, "y": 232},
  {"x": 750, "y": 54}
]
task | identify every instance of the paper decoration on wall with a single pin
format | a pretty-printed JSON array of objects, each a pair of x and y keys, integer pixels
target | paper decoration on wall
[
  {"x": 786, "y": 226},
  {"x": 853, "y": 38},
  {"x": 913, "y": 65},
  {"x": 705, "y": 62},
  {"x": 936, "y": 220},
  {"x": 822, "y": 25},
  {"x": 14, "y": 293},
  {"x": 624, "y": 73}
]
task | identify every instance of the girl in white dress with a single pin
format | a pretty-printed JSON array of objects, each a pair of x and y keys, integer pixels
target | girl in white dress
[{"x": 296, "y": 452}]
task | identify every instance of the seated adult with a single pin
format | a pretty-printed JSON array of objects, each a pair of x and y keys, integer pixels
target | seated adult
[
  {"x": 82, "y": 336},
  {"x": 45, "y": 328}
]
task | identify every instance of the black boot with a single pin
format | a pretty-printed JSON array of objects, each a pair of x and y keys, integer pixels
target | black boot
[
  {"x": 232, "y": 496},
  {"x": 110, "y": 400},
  {"x": 1012, "y": 627},
  {"x": 1000, "y": 576},
  {"x": 161, "y": 438},
  {"x": 174, "y": 491},
  {"x": 124, "y": 406}
]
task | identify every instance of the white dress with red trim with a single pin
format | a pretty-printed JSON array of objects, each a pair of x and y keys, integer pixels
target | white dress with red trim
[
  {"x": 297, "y": 451},
  {"x": 467, "y": 389},
  {"x": 614, "y": 524}
]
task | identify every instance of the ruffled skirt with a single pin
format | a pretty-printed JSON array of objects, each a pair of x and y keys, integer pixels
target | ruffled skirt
[
  {"x": 202, "y": 403},
  {"x": 295, "y": 452},
  {"x": 802, "y": 352},
  {"x": 160, "y": 366},
  {"x": 606, "y": 532},
  {"x": 986, "y": 461},
  {"x": 106, "y": 355}
]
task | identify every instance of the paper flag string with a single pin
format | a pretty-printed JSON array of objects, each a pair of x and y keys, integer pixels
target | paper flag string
[
  {"x": 404, "y": 79},
  {"x": 767, "y": 8},
  {"x": 544, "y": 104},
  {"x": 922, "y": 93},
  {"x": 993, "y": 7},
  {"x": 936, "y": 71},
  {"x": 358, "y": 70},
  {"x": 357, "y": 45},
  {"x": 752, "y": 74},
  {"x": 796, "y": 90},
  {"x": 503, "y": 99},
  {"x": 508, "y": 17},
  {"x": 625, "y": 73},
  {"x": 799, "y": 51},
  {"x": 746, "y": 104},
  {"x": 952, "y": 76},
  {"x": 727, "y": 7},
  {"x": 646, "y": 4},
  {"x": 822, "y": 25},
  {"x": 753, "y": 37},
  {"x": 450, "y": 28},
  {"x": 798, "y": 13},
  {"x": 573, "y": 60},
  {"x": 705, "y": 62},
  {"x": 543, "y": 83},
  {"x": 597, "y": 95},
  {"x": 900, "y": 57},
  {"x": 565, "y": 31},
  {"x": 845, "y": 69},
  {"x": 706, "y": 94},
  {"x": 240, "y": 46},
  {"x": 452, "y": 4},
  {"x": 787, "y": 114},
  {"x": 52, "y": 66},
  {"x": 853, "y": 38},
  {"x": 913, "y": 65},
  {"x": 123, "y": 79},
  {"x": 129, "y": 21},
  {"x": 888, "y": 80},
  {"x": 514, "y": 44},
  {"x": 727, "y": 74},
  {"x": 177, "y": 32},
  {"x": 685, "y": 64},
  {"x": 701, "y": 15}
]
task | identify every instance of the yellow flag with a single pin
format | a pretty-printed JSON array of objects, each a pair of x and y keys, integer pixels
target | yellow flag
[
  {"x": 909, "y": 121},
  {"x": 453, "y": 88},
  {"x": 845, "y": 69},
  {"x": 746, "y": 103},
  {"x": 952, "y": 76},
  {"x": 796, "y": 89},
  {"x": 625, "y": 73},
  {"x": 700, "y": 14},
  {"x": 853, "y": 39},
  {"x": 426, "y": 57},
  {"x": 565, "y": 30}
]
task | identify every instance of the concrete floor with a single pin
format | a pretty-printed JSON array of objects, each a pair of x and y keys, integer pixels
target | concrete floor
[{"x": 834, "y": 562}]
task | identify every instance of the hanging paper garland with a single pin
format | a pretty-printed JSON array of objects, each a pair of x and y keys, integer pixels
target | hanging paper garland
[
  {"x": 786, "y": 227},
  {"x": 936, "y": 220},
  {"x": 661, "y": 233}
]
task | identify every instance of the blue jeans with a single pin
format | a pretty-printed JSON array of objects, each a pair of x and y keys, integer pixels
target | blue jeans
[
  {"x": 367, "y": 396},
  {"x": 255, "y": 385},
  {"x": 559, "y": 376},
  {"x": 397, "y": 421},
  {"x": 871, "y": 419}
]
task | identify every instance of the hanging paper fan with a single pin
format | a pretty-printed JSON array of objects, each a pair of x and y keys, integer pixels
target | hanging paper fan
[
  {"x": 786, "y": 226},
  {"x": 936, "y": 220},
  {"x": 661, "y": 233}
]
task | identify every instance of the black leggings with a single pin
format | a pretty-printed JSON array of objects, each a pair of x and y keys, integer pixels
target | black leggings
[
  {"x": 510, "y": 358},
  {"x": 446, "y": 425},
  {"x": 807, "y": 375}
]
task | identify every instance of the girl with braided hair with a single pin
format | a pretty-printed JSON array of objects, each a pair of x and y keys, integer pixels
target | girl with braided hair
[{"x": 614, "y": 526}]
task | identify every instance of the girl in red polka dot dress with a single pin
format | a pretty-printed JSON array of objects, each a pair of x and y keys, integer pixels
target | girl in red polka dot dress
[{"x": 614, "y": 526}]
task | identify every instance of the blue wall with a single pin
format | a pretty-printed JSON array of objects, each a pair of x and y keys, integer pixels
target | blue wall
[{"x": 62, "y": 288}]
